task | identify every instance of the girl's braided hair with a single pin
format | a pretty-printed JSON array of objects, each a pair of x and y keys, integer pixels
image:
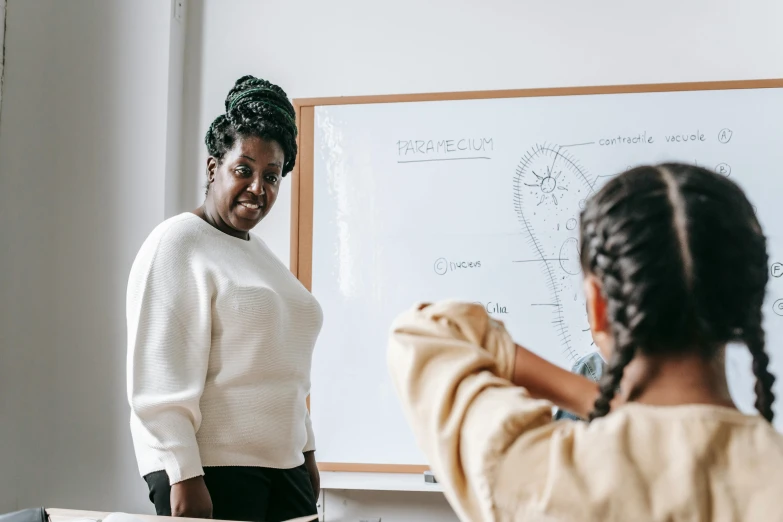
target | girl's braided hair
[{"x": 682, "y": 263}]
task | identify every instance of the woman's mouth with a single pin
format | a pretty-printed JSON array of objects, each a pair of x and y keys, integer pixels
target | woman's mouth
[{"x": 250, "y": 210}]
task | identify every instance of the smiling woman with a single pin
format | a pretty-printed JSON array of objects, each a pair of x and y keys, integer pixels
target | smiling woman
[
  {"x": 252, "y": 147},
  {"x": 221, "y": 336},
  {"x": 242, "y": 185}
]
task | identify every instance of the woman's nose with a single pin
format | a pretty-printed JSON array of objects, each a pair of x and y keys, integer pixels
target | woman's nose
[{"x": 257, "y": 187}]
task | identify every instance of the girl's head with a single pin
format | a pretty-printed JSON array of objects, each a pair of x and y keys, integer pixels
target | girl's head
[
  {"x": 251, "y": 148},
  {"x": 675, "y": 264}
]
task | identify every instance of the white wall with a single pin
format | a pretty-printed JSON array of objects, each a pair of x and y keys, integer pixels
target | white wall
[
  {"x": 355, "y": 47},
  {"x": 83, "y": 142}
]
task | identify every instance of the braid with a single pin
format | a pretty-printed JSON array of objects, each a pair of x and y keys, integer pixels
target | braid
[
  {"x": 604, "y": 265},
  {"x": 255, "y": 107},
  {"x": 610, "y": 382},
  {"x": 219, "y": 135},
  {"x": 754, "y": 339}
]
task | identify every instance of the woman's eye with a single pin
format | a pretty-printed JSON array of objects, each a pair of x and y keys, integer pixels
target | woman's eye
[
  {"x": 271, "y": 178},
  {"x": 243, "y": 172}
]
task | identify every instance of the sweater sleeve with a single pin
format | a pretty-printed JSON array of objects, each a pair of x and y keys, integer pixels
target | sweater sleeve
[
  {"x": 169, "y": 335},
  {"x": 310, "y": 444},
  {"x": 451, "y": 365}
]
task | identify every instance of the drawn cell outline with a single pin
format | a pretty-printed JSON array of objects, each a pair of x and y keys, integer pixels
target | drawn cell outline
[
  {"x": 569, "y": 256},
  {"x": 545, "y": 168}
]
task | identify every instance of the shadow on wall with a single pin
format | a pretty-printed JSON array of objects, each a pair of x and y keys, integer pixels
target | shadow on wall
[{"x": 82, "y": 156}]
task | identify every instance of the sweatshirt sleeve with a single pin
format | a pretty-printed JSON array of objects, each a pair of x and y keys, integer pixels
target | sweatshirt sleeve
[
  {"x": 169, "y": 335},
  {"x": 451, "y": 365}
]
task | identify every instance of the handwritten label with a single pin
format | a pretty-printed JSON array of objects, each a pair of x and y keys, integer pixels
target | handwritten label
[
  {"x": 683, "y": 138},
  {"x": 493, "y": 308},
  {"x": 723, "y": 168},
  {"x": 641, "y": 139},
  {"x": 443, "y": 266},
  {"x": 724, "y": 136},
  {"x": 406, "y": 148},
  {"x": 644, "y": 138}
]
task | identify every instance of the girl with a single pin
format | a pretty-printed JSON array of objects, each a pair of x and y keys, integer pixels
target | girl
[{"x": 675, "y": 267}]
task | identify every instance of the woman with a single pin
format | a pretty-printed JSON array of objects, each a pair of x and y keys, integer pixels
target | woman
[
  {"x": 221, "y": 336},
  {"x": 675, "y": 267}
]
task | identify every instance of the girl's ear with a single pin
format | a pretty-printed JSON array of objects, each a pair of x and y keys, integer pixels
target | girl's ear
[{"x": 600, "y": 328}]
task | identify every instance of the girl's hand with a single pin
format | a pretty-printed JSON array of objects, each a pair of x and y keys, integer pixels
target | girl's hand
[{"x": 544, "y": 380}]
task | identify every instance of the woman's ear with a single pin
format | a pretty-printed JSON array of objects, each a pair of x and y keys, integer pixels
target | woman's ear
[
  {"x": 212, "y": 165},
  {"x": 600, "y": 328}
]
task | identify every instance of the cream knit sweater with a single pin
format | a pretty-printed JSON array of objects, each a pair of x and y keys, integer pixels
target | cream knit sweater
[{"x": 220, "y": 343}]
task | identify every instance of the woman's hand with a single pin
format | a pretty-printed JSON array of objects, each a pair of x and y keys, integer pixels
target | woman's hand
[
  {"x": 315, "y": 476},
  {"x": 190, "y": 498}
]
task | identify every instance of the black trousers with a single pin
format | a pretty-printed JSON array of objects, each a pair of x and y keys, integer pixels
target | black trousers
[{"x": 246, "y": 493}]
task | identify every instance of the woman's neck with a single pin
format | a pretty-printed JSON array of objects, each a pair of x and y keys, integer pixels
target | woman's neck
[
  {"x": 676, "y": 380},
  {"x": 208, "y": 213}
]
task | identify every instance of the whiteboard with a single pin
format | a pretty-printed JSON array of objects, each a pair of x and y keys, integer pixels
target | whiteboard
[{"x": 478, "y": 200}]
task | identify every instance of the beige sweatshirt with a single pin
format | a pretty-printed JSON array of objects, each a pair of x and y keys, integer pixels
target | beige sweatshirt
[{"x": 500, "y": 457}]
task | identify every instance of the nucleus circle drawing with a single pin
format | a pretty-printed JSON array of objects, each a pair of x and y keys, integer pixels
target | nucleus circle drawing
[
  {"x": 569, "y": 256},
  {"x": 550, "y": 188}
]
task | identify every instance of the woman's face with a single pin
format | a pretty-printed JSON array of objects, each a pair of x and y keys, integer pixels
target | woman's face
[{"x": 243, "y": 186}]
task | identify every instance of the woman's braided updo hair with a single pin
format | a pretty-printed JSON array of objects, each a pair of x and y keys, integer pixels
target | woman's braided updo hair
[
  {"x": 255, "y": 107},
  {"x": 682, "y": 263}
]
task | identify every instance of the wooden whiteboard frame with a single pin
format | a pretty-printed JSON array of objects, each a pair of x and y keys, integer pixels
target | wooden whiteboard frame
[{"x": 302, "y": 181}]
